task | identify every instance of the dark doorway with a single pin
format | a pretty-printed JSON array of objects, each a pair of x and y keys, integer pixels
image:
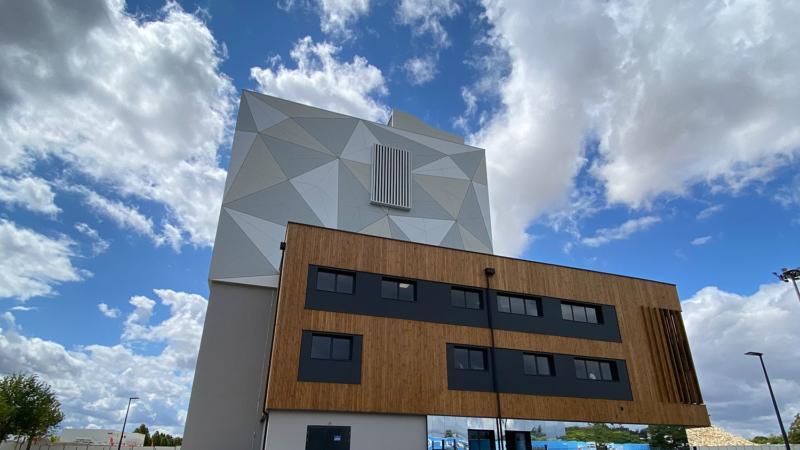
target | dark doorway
[
  {"x": 518, "y": 440},
  {"x": 481, "y": 439},
  {"x": 327, "y": 438}
]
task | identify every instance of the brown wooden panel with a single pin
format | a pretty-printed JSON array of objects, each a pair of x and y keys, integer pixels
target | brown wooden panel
[
  {"x": 404, "y": 362},
  {"x": 658, "y": 353}
]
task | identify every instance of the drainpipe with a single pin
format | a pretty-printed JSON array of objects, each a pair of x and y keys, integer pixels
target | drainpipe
[
  {"x": 265, "y": 413},
  {"x": 501, "y": 438}
]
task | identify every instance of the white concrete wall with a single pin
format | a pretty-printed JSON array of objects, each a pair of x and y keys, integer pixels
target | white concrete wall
[
  {"x": 228, "y": 391},
  {"x": 287, "y": 430}
]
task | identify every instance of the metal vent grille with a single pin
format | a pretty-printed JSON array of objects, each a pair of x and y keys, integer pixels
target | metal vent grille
[{"x": 391, "y": 177}]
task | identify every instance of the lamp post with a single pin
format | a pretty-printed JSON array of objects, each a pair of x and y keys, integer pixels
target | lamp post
[
  {"x": 790, "y": 274},
  {"x": 126, "y": 421},
  {"x": 774, "y": 403}
]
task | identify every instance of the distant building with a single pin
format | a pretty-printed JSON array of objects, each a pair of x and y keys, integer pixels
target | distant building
[{"x": 100, "y": 437}]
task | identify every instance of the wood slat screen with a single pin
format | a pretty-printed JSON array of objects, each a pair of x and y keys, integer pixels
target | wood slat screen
[{"x": 671, "y": 356}]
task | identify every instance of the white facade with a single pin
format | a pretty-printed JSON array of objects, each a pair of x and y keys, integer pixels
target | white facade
[
  {"x": 294, "y": 163},
  {"x": 288, "y": 429}
]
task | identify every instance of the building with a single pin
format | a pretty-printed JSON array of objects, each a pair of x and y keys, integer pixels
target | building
[
  {"x": 91, "y": 436},
  {"x": 384, "y": 321}
]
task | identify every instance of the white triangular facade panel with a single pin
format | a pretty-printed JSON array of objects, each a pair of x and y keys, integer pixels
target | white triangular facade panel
[
  {"x": 264, "y": 115},
  {"x": 424, "y": 231},
  {"x": 320, "y": 189},
  {"x": 482, "y": 193},
  {"x": 444, "y": 167},
  {"x": 359, "y": 147},
  {"x": 267, "y": 236}
]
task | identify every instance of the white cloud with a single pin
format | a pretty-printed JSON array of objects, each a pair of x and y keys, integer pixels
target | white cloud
[
  {"x": 425, "y": 16},
  {"x": 710, "y": 211},
  {"x": 678, "y": 94},
  {"x": 32, "y": 193},
  {"x": 624, "y": 231},
  {"x": 137, "y": 320},
  {"x": 701, "y": 240},
  {"x": 789, "y": 195},
  {"x": 323, "y": 81},
  {"x": 336, "y": 16},
  {"x": 99, "y": 245},
  {"x": 137, "y": 104},
  {"x": 109, "y": 312},
  {"x": 33, "y": 263},
  {"x": 723, "y": 326},
  {"x": 421, "y": 70},
  {"x": 93, "y": 382},
  {"x": 25, "y": 308}
]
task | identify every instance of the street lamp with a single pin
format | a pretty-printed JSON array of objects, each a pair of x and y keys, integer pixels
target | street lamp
[
  {"x": 790, "y": 274},
  {"x": 126, "y": 421},
  {"x": 774, "y": 403}
]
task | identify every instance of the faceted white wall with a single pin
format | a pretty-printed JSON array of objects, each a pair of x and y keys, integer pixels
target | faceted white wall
[{"x": 291, "y": 162}]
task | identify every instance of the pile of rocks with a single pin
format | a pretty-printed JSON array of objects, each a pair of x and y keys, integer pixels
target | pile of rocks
[{"x": 712, "y": 437}]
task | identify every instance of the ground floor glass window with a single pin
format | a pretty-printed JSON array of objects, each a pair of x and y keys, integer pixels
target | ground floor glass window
[{"x": 468, "y": 433}]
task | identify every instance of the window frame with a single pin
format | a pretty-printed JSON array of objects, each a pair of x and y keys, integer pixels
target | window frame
[
  {"x": 397, "y": 282},
  {"x": 479, "y": 436},
  {"x": 612, "y": 365},
  {"x": 336, "y": 273},
  {"x": 598, "y": 313},
  {"x": 332, "y": 337},
  {"x": 479, "y": 292},
  {"x": 535, "y": 356},
  {"x": 525, "y": 299},
  {"x": 470, "y": 350}
]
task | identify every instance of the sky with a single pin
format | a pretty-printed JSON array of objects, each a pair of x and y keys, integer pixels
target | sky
[{"x": 652, "y": 139}]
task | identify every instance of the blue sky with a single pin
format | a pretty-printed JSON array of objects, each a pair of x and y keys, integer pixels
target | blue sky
[{"x": 652, "y": 141}]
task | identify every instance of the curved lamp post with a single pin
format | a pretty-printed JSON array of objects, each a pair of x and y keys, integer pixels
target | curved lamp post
[
  {"x": 774, "y": 403},
  {"x": 790, "y": 274},
  {"x": 126, "y": 421}
]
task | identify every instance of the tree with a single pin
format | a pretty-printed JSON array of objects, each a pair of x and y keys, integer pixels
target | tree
[
  {"x": 35, "y": 410},
  {"x": 772, "y": 439},
  {"x": 794, "y": 431},
  {"x": 668, "y": 437},
  {"x": 142, "y": 429},
  {"x": 6, "y": 418}
]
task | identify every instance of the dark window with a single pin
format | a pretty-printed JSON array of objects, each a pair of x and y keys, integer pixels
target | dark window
[
  {"x": 566, "y": 311},
  {"x": 605, "y": 370},
  {"x": 469, "y": 358},
  {"x": 326, "y": 281},
  {"x": 320, "y": 347},
  {"x": 462, "y": 298},
  {"x": 588, "y": 369},
  {"x": 331, "y": 347},
  {"x": 397, "y": 290},
  {"x": 502, "y": 304},
  {"x": 580, "y": 313},
  {"x": 335, "y": 281},
  {"x": 537, "y": 364},
  {"x": 517, "y": 305},
  {"x": 481, "y": 439},
  {"x": 531, "y": 307}
]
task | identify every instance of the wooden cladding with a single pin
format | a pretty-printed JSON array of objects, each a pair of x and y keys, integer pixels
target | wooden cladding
[
  {"x": 670, "y": 350},
  {"x": 404, "y": 365}
]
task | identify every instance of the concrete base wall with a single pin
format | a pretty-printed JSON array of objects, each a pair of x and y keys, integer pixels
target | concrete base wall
[
  {"x": 228, "y": 391},
  {"x": 286, "y": 430}
]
